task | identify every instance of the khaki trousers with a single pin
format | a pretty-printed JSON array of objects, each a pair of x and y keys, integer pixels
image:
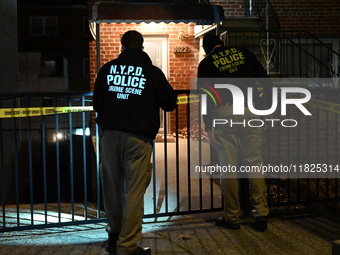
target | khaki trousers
[
  {"x": 125, "y": 172},
  {"x": 240, "y": 143}
]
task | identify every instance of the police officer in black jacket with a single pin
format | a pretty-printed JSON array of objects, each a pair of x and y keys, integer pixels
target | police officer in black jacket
[
  {"x": 233, "y": 142},
  {"x": 129, "y": 92}
]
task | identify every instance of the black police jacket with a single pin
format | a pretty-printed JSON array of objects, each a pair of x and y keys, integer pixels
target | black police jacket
[
  {"x": 242, "y": 68},
  {"x": 129, "y": 92}
]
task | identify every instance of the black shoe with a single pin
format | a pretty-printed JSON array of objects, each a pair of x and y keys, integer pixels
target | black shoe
[
  {"x": 111, "y": 246},
  {"x": 141, "y": 251},
  {"x": 226, "y": 224},
  {"x": 260, "y": 224}
]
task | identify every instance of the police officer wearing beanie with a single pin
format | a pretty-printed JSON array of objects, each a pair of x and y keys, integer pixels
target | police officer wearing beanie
[
  {"x": 234, "y": 142},
  {"x": 128, "y": 94}
]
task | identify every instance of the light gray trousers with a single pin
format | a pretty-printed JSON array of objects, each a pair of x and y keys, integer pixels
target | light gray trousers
[
  {"x": 126, "y": 173},
  {"x": 247, "y": 141}
]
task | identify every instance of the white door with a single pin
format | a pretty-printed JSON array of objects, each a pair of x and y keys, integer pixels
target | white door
[{"x": 157, "y": 49}]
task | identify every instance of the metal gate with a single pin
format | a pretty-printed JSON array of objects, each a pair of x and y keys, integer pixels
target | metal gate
[{"x": 49, "y": 164}]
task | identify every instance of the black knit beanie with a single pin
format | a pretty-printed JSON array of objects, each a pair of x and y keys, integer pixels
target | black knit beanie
[{"x": 209, "y": 42}]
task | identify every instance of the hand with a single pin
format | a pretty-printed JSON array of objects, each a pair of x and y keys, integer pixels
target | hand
[{"x": 213, "y": 142}]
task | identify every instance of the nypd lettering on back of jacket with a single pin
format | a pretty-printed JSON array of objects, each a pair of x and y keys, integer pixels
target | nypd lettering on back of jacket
[
  {"x": 125, "y": 80},
  {"x": 128, "y": 93}
]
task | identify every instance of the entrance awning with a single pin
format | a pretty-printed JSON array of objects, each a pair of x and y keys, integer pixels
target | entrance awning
[{"x": 199, "y": 13}]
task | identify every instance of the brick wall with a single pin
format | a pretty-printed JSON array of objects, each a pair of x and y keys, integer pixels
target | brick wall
[
  {"x": 320, "y": 17},
  {"x": 231, "y": 8}
]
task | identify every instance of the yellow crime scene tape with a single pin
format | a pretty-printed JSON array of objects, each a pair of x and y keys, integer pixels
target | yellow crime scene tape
[
  {"x": 188, "y": 99},
  {"x": 323, "y": 105},
  {"x": 40, "y": 111},
  {"x": 327, "y": 106}
]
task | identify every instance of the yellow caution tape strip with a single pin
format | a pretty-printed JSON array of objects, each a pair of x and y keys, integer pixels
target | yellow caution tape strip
[
  {"x": 188, "y": 99},
  {"x": 39, "y": 111},
  {"x": 323, "y": 105}
]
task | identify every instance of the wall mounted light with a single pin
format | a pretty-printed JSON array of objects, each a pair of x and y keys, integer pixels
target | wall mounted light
[{"x": 181, "y": 34}]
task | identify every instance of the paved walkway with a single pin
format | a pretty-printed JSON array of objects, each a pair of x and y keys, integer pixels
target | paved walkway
[
  {"x": 184, "y": 235},
  {"x": 190, "y": 235}
]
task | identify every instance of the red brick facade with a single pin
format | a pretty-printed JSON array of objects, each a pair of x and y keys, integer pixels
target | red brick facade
[
  {"x": 231, "y": 8},
  {"x": 319, "y": 17}
]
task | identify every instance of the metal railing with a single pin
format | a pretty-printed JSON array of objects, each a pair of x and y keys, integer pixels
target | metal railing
[
  {"x": 45, "y": 160},
  {"x": 265, "y": 11},
  {"x": 49, "y": 164},
  {"x": 304, "y": 55},
  {"x": 289, "y": 53},
  {"x": 285, "y": 53}
]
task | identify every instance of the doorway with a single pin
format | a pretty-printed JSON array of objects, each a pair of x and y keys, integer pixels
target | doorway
[{"x": 157, "y": 49}]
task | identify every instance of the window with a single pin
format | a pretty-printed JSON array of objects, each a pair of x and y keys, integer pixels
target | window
[
  {"x": 48, "y": 68},
  {"x": 53, "y": 65},
  {"x": 44, "y": 26}
]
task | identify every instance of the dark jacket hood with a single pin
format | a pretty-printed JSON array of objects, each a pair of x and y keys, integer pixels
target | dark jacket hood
[{"x": 137, "y": 55}]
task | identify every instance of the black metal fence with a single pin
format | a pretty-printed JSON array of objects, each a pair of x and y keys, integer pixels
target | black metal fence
[
  {"x": 49, "y": 163},
  {"x": 289, "y": 53},
  {"x": 46, "y": 160}
]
